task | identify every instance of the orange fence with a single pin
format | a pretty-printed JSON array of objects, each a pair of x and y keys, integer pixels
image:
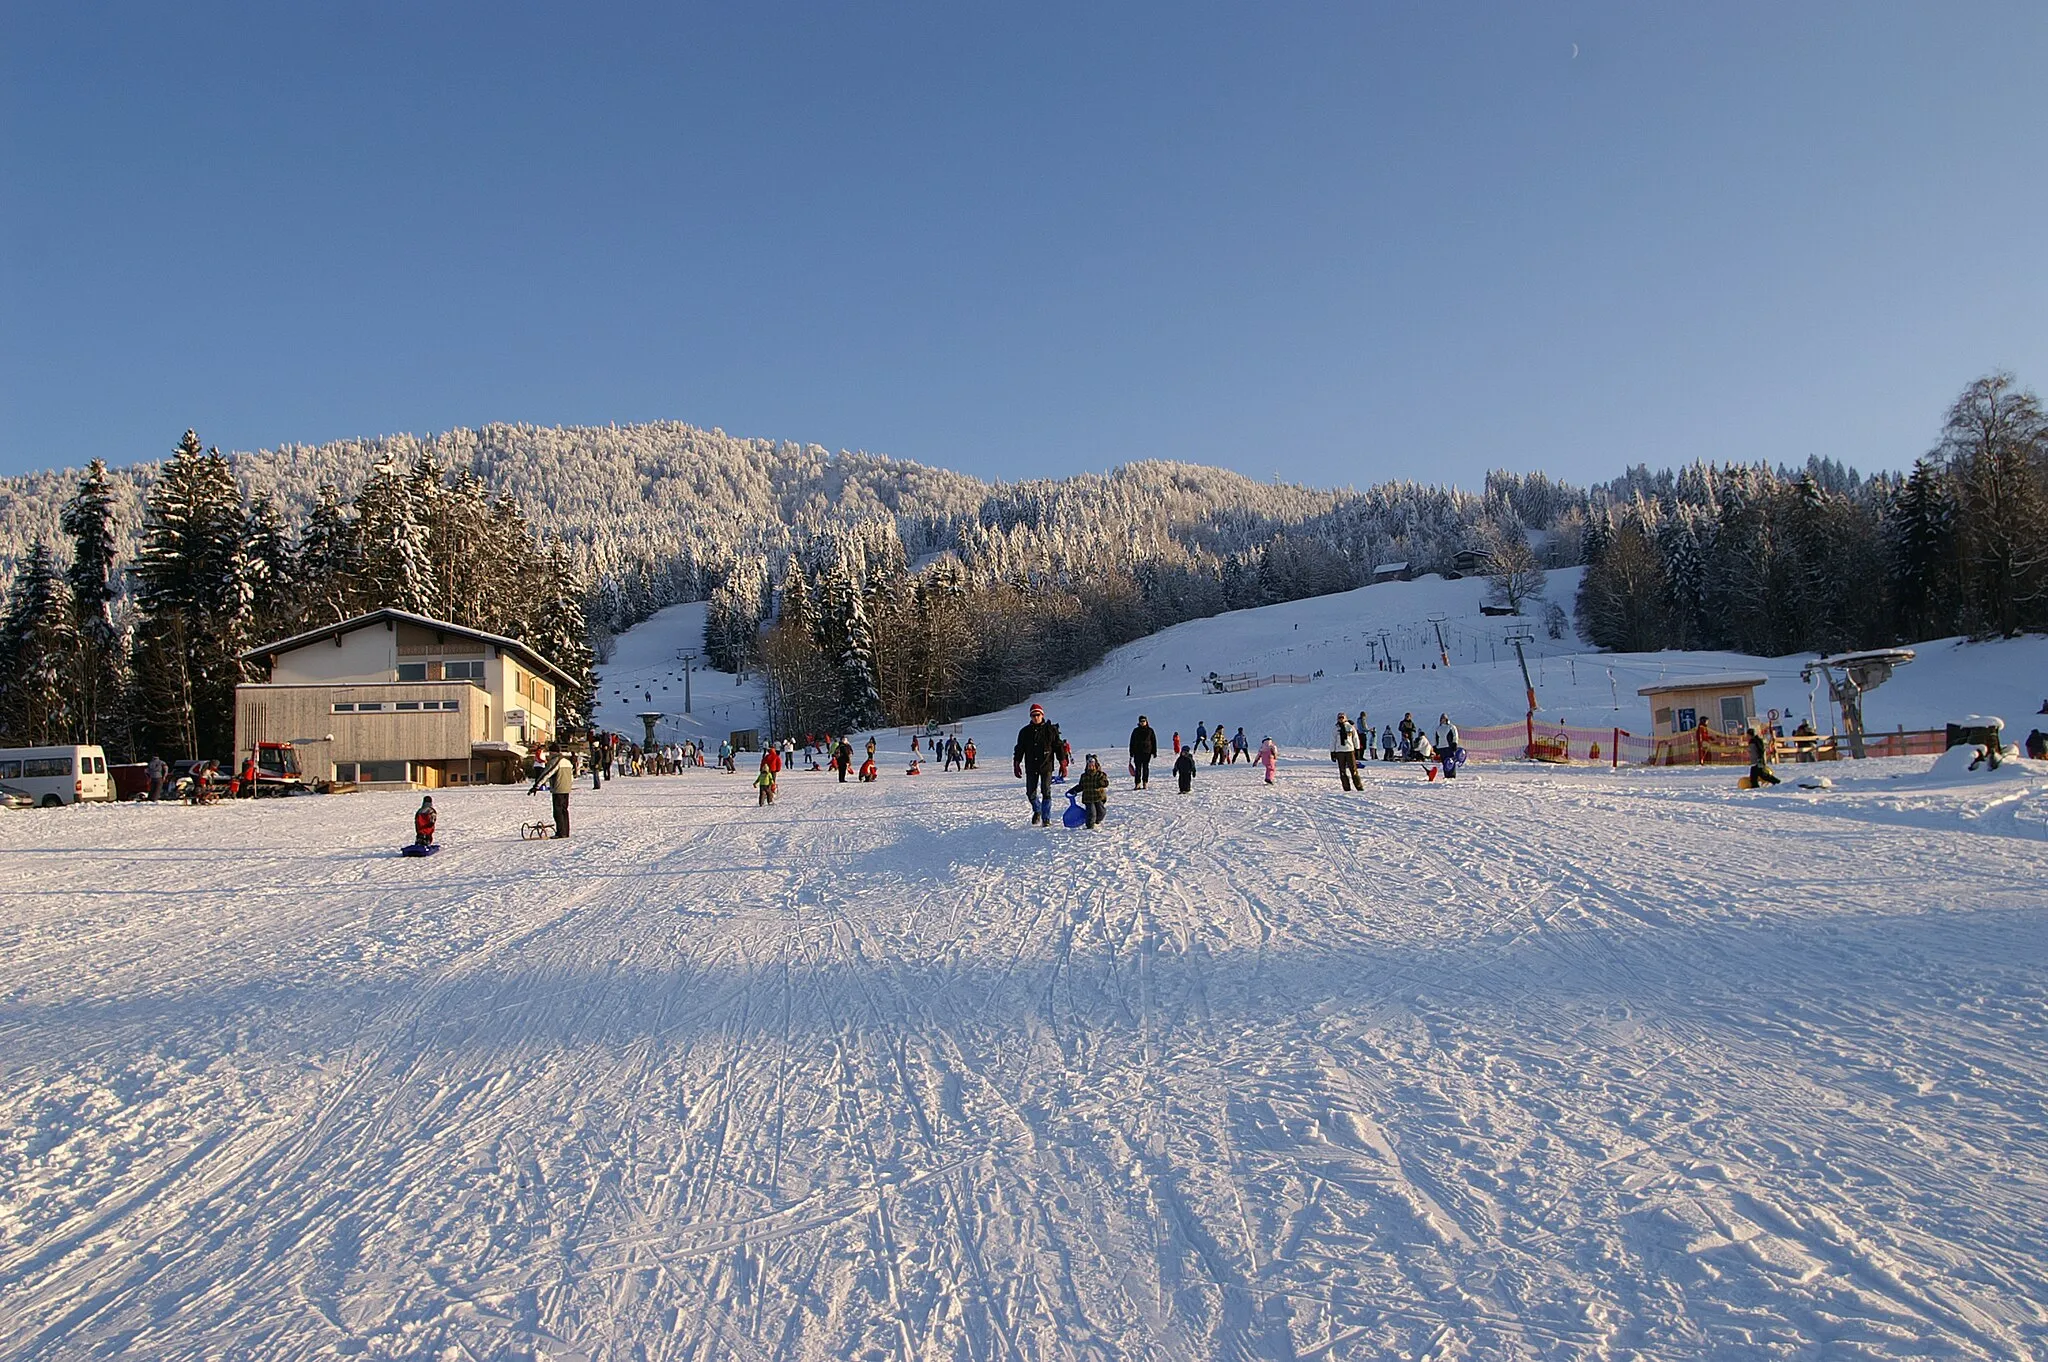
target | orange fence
[{"x": 1570, "y": 744}]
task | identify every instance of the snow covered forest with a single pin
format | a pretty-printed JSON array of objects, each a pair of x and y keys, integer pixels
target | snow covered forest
[{"x": 871, "y": 590}]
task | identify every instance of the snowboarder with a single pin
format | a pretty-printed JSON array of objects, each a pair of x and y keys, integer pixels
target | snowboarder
[
  {"x": 1760, "y": 772},
  {"x": 559, "y": 774},
  {"x": 423, "y": 823},
  {"x": 1144, "y": 747},
  {"x": 1093, "y": 787},
  {"x": 1344, "y": 751},
  {"x": 1269, "y": 757},
  {"x": 1184, "y": 769},
  {"x": 1039, "y": 749}
]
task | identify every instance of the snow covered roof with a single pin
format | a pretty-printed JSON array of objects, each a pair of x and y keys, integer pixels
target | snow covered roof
[
  {"x": 388, "y": 613},
  {"x": 1730, "y": 681},
  {"x": 1390, "y": 567}
]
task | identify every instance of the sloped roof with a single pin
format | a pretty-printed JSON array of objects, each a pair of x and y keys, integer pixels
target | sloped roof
[
  {"x": 1730, "y": 681},
  {"x": 389, "y": 613}
]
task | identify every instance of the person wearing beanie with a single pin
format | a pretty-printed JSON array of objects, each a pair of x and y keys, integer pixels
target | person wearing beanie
[
  {"x": 423, "y": 822},
  {"x": 1037, "y": 755}
]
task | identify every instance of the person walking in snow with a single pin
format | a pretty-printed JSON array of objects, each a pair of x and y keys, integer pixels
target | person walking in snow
[
  {"x": 1144, "y": 747},
  {"x": 1039, "y": 751},
  {"x": 558, "y": 772},
  {"x": 1240, "y": 746},
  {"x": 1269, "y": 757},
  {"x": 764, "y": 783},
  {"x": 1448, "y": 748},
  {"x": 1344, "y": 751},
  {"x": 1201, "y": 736},
  {"x": 1219, "y": 747},
  {"x": 1184, "y": 769},
  {"x": 1093, "y": 787},
  {"x": 1176, "y": 742},
  {"x": 842, "y": 759}
]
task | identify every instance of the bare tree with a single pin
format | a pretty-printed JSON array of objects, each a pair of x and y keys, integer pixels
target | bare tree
[
  {"x": 1995, "y": 444},
  {"x": 1513, "y": 576}
]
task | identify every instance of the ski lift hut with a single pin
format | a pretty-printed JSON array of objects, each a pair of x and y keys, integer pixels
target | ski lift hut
[{"x": 1678, "y": 707}]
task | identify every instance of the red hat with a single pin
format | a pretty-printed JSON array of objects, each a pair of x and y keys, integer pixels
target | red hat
[{"x": 1038, "y": 709}]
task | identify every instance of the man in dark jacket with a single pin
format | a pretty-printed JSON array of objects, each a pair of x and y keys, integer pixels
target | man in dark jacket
[
  {"x": 1037, "y": 756},
  {"x": 1144, "y": 747}
]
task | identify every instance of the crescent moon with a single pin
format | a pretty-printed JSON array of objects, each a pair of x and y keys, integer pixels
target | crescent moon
[{"x": 1575, "y": 51}]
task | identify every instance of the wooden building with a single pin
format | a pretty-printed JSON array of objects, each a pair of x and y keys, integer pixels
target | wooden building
[
  {"x": 1681, "y": 707},
  {"x": 396, "y": 699}
]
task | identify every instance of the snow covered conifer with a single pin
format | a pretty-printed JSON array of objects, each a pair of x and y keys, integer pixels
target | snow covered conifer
[
  {"x": 38, "y": 645},
  {"x": 395, "y": 568},
  {"x": 100, "y": 672}
]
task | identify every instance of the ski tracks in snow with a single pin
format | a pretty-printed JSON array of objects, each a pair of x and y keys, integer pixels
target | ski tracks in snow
[{"x": 1531, "y": 1065}]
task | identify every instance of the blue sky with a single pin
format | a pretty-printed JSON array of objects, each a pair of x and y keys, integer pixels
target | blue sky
[{"x": 1336, "y": 244}]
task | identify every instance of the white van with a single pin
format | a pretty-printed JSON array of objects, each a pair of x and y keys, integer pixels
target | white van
[{"x": 56, "y": 775}]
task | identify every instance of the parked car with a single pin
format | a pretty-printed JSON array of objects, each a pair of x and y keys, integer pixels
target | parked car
[{"x": 14, "y": 797}]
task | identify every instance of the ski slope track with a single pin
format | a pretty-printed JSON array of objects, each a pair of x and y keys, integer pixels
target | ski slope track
[{"x": 1540, "y": 1064}]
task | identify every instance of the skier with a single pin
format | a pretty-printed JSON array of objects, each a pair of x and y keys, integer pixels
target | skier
[
  {"x": 1344, "y": 751},
  {"x": 1039, "y": 749},
  {"x": 1093, "y": 787},
  {"x": 1269, "y": 757},
  {"x": 559, "y": 772},
  {"x": 1144, "y": 747},
  {"x": 423, "y": 823},
  {"x": 1184, "y": 769}
]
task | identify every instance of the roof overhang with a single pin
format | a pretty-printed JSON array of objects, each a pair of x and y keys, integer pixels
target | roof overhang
[
  {"x": 391, "y": 616},
  {"x": 1704, "y": 683}
]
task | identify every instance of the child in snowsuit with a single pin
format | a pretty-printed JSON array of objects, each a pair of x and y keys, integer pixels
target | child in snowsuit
[
  {"x": 867, "y": 770},
  {"x": 1184, "y": 769},
  {"x": 423, "y": 822},
  {"x": 1093, "y": 787},
  {"x": 1269, "y": 757},
  {"x": 764, "y": 783}
]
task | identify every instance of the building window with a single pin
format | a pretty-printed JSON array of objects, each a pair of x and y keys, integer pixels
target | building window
[
  {"x": 344, "y": 707},
  {"x": 462, "y": 671},
  {"x": 372, "y": 772},
  {"x": 369, "y": 707},
  {"x": 1732, "y": 716},
  {"x": 412, "y": 671},
  {"x": 408, "y": 706}
]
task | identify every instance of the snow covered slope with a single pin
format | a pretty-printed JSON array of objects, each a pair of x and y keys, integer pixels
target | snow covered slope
[
  {"x": 1544, "y": 1064},
  {"x": 646, "y": 674},
  {"x": 1342, "y": 635}
]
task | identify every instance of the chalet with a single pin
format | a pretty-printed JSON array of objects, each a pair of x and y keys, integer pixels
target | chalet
[
  {"x": 1391, "y": 572},
  {"x": 1472, "y": 562},
  {"x": 396, "y": 699}
]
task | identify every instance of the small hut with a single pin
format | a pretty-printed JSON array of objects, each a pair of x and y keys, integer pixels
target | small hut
[{"x": 1723, "y": 704}]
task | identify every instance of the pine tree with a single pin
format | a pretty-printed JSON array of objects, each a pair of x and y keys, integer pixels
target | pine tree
[
  {"x": 193, "y": 596},
  {"x": 38, "y": 655},
  {"x": 100, "y": 679},
  {"x": 395, "y": 567},
  {"x": 562, "y": 635}
]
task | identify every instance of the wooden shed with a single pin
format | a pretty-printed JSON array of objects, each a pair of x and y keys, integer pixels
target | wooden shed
[{"x": 1723, "y": 704}]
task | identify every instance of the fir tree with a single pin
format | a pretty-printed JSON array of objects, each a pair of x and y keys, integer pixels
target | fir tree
[
  {"x": 38, "y": 655},
  {"x": 100, "y": 671},
  {"x": 395, "y": 567}
]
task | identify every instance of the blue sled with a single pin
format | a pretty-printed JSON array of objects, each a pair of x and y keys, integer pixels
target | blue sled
[
  {"x": 415, "y": 849},
  {"x": 1076, "y": 816}
]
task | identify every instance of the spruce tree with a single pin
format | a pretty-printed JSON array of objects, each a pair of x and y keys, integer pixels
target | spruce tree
[
  {"x": 396, "y": 568},
  {"x": 99, "y": 676},
  {"x": 38, "y": 655}
]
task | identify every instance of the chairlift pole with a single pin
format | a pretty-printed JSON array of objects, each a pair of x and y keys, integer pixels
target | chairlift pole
[
  {"x": 1528, "y": 686},
  {"x": 689, "y": 660},
  {"x": 1442, "y": 650}
]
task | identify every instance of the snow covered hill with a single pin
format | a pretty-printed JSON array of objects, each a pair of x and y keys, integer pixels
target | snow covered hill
[
  {"x": 1343, "y": 636},
  {"x": 1546, "y": 1063},
  {"x": 645, "y": 675}
]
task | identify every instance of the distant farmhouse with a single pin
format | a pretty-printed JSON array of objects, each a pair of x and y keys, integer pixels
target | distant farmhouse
[{"x": 396, "y": 699}]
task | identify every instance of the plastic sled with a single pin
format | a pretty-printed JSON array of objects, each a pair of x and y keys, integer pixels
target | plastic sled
[
  {"x": 415, "y": 849},
  {"x": 1746, "y": 783},
  {"x": 1075, "y": 816}
]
